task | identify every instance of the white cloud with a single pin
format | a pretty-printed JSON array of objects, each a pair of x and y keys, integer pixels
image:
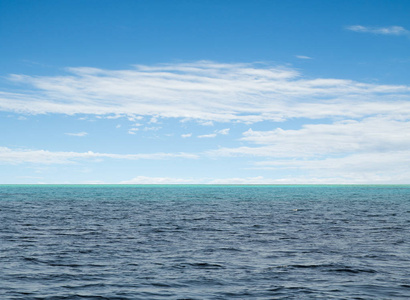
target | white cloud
[
  {"x": 113, "y": 117},
  {"x": 374, "y": 149},
  {"x": 153, "y": 120},
  {"x": 206, "y": 123},
  {"x": 260, "y": 180},
  {"x": 206, "y": 91},
  {"x": 234, "y": 180},
  {"x": 391, "y": 30},
  {"x": 133, "y": 130},
  {"x": 133, "y": 118},
  {"x": 242, "y": 180},
  {"x": 12, "y": 156},
  {"x": 223, "y": 131},
  {"x": 216, "y": 132},
  {"x": 170, "y": 180},
  {"x": 366, "y": 136},
  {"x": 373, "y": 134},
  {"x": 303, "y": 57},
  {"x": 211, "y": 135},
  {"x": 153, "y": 128},
  {"x": 157, "y": 180},
  {"x": 376, "y": 167},
  {"x": 80, "y": 134}
]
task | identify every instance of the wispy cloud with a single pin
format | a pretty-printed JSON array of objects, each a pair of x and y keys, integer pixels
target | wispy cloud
[
  {"x": 211, "y": 135},
  {"x": 223, "y": 131},
  {"x": 391, "y": 30},
  {"x": 303, "y": 57},
  {"x": 186, "y": 135},
  {"x": 204, "y": 123},
  {"x": 215, "y": 133},
  {"x": 133, "y": 130},
  {"x": 13, "y": 156},
  {"x": 80, "y": 134},
  {"x": 330, "y": 178},
  {"x": 206, "y": 91},
  {"x": 157, "y": 180},
  {"x": 152, "y": 128},
  {"x": 232, "y": 180}
]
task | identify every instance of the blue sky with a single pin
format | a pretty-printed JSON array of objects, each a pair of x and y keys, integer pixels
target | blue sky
[{"x": 259, "y": 92}]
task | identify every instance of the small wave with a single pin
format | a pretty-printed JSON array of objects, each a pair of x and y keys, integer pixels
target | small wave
[
  {"x": 207, "y": 266},
  {"x": 329, "y": 268},
  {"x": 276, "y": 289},
  {"x": 230, "y": 249},
  {"x": 63, "y": 265},
  {"x": 200, "y": 265},
  {"x": 79, "y": 296},
  {"x": 82, "y": 286},
  {"x": 34, "y": 260},
  {"x": 353, "y": 270},
  {"x": 160, "y": 284}
]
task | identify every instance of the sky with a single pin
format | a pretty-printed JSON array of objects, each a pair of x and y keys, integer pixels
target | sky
[{"x": 204, "y": 92}]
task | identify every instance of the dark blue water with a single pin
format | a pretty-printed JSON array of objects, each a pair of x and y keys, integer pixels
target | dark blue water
[{"x": 204, "y": 242}]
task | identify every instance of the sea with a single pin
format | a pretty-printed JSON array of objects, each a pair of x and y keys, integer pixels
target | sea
[{"x": 204, "y": 242}]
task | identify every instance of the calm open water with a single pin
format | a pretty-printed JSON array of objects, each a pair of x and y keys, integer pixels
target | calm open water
[{"x": 204, "y": 242}]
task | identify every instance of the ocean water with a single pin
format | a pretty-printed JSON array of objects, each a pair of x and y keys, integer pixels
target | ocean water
[{"x": 204, "y": 242}]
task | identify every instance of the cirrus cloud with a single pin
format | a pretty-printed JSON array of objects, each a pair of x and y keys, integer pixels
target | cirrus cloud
[
  {"x": 391, "y": 30},
  {"x": 79, "y": 134},
  {"x": 205, "y": 91},
  {"x": 17, "y": 156}
]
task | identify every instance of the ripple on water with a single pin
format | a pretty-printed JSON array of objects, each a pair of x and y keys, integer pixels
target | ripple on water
[{"x": 204, "y": 243}]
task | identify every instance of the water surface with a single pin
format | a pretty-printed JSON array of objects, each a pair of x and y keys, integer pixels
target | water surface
[{"x": 204, "y": 242}]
